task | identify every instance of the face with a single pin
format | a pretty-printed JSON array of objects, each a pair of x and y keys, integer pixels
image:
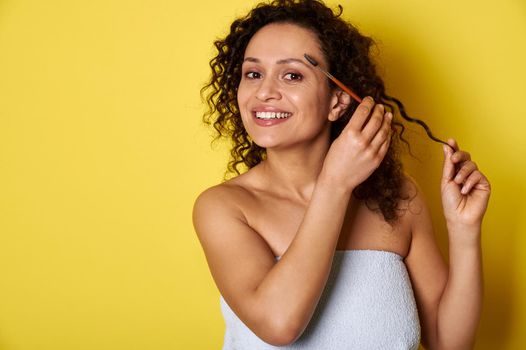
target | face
[{"x": 284, "y": 100}]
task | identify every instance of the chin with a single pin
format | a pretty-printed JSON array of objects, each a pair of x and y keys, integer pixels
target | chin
[{"x": 265, "y": 142}]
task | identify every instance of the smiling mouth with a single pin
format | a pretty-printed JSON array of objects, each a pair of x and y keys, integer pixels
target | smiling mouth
[{"x": 272, "y": 115}]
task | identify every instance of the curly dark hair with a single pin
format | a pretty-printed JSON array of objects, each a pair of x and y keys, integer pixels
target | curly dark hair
[{"x": 347, "y": 53}]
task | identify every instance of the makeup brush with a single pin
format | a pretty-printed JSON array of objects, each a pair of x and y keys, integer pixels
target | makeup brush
[
  {"x": 331, "y": 77},
  {"x": 357, "y": 98}
]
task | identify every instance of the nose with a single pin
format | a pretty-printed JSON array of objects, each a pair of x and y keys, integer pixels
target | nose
[{"x": 268, "y": 89}]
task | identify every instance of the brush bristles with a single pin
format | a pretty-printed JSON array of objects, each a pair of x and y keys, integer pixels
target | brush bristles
[{"x": 311, "y": 60}]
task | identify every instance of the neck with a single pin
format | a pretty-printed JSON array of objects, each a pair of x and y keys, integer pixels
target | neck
[{"x": 295, "y": 170}]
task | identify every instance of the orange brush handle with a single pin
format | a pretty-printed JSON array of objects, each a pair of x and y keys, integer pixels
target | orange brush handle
[
  {"x": 329, "y": 75},
  {"x": 344, "y": 88}
]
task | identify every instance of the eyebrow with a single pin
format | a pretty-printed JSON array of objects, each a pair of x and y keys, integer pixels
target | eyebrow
[{"x": 282, "y": 61}]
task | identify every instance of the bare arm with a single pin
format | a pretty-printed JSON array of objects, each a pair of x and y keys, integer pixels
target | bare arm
[
  {"x": 277, "y": 300},
  {"x": 450, "y": 299},
  {"x": 461, "y": 303}
]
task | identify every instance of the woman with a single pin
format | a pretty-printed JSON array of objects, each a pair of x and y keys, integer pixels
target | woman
[{"x": 324, "y": 243}]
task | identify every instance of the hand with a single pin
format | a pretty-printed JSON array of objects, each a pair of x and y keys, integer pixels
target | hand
[
  {"x": 465, "y": 190},
  {"x": 361, "y": 146}
]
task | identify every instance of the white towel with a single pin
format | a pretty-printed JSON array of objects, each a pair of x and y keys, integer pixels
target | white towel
[{"x": 368, "y": 303}]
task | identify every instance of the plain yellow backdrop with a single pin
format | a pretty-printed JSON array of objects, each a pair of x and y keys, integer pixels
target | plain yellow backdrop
[{"x": 102, "y": 153}]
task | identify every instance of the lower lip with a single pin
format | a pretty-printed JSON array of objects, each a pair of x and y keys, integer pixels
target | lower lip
[{"x": 270, "y": 122}]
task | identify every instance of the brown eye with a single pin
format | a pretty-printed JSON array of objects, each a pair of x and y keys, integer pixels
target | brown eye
[
  {"x": 293, "y": 76},
  {"x": 253, "y": 75}
]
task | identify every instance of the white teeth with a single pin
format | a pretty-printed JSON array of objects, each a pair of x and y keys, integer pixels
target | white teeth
[{"x": 272, "y": 115}]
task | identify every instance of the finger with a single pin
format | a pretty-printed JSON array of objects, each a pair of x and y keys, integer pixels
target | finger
[
  {"x": 460, "y": 156},
  {"x": 483, "y": 184},
  {"x": 448, "y": 167},
  {"x": 361, "y": 114},
  {"x": 384, "y": 147},
  {"x": 465, "y": 171},
  {"x": 453, "y": 143},
  {"x": 383, "y": 133},
  {"x": 473, "y": 179},
  {"x": 374, "y": 124}
]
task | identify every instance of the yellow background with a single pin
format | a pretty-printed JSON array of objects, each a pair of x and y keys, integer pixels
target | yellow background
[{"x": 102, "y": 154}]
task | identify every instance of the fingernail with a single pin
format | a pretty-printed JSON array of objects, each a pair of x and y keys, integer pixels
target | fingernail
[
  {"x": 464, "y": 190},
  {"x": 390, "y": 116}
]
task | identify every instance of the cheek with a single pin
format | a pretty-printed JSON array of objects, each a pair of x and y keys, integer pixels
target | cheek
[
  {"x": 323, "y": 101},
  {"x": 244, "y": 89},
  {"x": 241, "y": 95},
  {"x": 303, "y": 99},
  {"x": 311, "y": 101},
  {"x": 242, "y": 104},
  {"x": 242, "y": 99}
]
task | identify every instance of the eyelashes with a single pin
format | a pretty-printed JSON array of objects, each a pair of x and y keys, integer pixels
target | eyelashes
[
  {"x": 294, "y": 76},
  {"x": 289, "y": 76},
  {"x": 252, "y": 75}
]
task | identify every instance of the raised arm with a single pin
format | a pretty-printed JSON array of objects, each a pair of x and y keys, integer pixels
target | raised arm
[
  {"x": 277, "y": 300},
  {"x": 450, "y": 298}
]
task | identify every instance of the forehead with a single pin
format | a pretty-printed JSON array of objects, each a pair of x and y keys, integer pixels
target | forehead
[{"x": 283, "y": 40}]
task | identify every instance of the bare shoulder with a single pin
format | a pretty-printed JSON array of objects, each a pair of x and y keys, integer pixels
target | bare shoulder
[
  {"x": 413, "y": 204},
  {"x": 218, "y": 206},
  {"x": 227, "y": 239},
  {"x": 224, "y": 196},
  {"x": 225, "y": 203},
  {"x": 417, "y": 215}
]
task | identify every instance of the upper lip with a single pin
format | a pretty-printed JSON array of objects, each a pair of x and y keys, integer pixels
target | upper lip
[{"x": 268, "y": 109}]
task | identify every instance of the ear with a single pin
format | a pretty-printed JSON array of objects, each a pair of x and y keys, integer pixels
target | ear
[{"x": 340, "y": 101}]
